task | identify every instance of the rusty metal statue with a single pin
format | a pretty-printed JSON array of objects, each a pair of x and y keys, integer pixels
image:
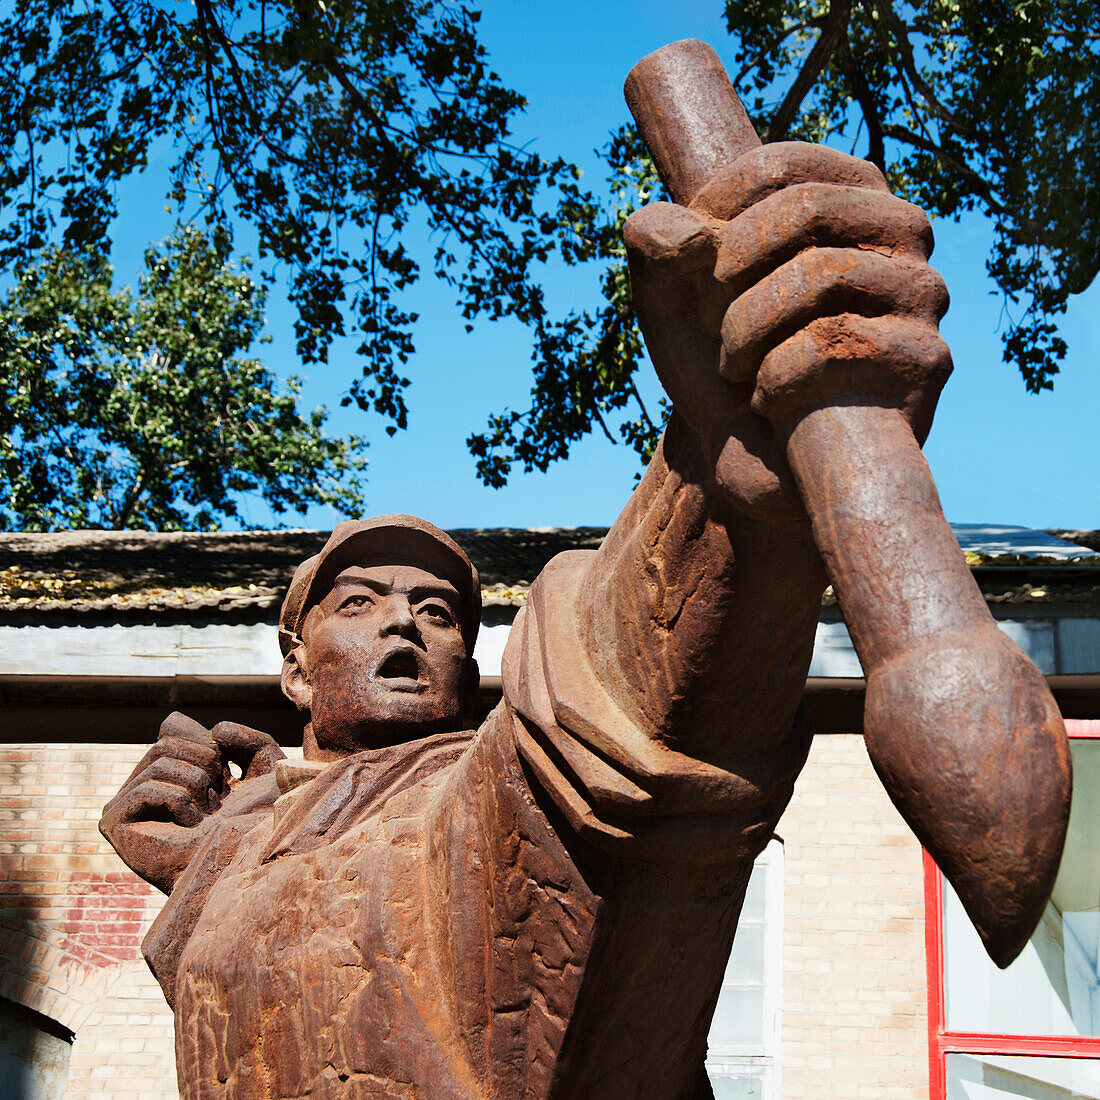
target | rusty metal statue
[{"x": 543, "y": 907}]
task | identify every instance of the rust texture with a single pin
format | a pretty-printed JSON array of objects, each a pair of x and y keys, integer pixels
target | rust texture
[
  {"x": 543, "y": 906},
  {"x": 826, "y": 271}
]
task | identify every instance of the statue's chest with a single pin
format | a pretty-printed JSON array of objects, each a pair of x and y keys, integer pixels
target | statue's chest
[
  {"x": 296, "y": 913},
  {"x": 290, "y": 984}
]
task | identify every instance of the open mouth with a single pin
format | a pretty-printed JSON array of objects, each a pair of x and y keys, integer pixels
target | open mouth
[{"x": 400, "y": 670}]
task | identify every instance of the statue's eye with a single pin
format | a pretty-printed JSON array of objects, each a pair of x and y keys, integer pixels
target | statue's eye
[
  {"x": 437, "y": 613},
  {"x": 352, "y": 605}
]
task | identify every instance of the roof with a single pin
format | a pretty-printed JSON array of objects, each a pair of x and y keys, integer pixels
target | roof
[
  {"x": 234, "y": 574},
  {"x": 78, "y": 572}
]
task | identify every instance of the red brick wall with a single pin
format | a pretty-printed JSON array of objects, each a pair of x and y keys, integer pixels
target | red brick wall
[{"x": 72, "y": 919}]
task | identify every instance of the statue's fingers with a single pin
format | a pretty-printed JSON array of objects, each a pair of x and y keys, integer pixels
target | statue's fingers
[
  {"x": 667, "y": 240},
  {"x": 902, "y": 361},
  {"x": 203, "y": 787},
  {"x": 204, "y": 755},
  {"x": 253, "y": 751},
  {"x": 769, "y": 168},
  {"x": 819, "y": 215},
  {"x": 824, "y": 282},
  {"x": 187, "y": 729},
  {"x": 155, "y": 800}
]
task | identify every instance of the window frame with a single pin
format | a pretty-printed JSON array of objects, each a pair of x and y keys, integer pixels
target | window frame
[
  {"x": 763, "y": 1058},
  {"x": 942, "y": 1042}
]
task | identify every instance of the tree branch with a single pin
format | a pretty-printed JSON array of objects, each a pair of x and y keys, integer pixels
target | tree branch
[
  {"x": 889, "y": 19},
  {"x": 602, "y": 423},
  {"x": 832, "y": 34},
  {"x": 876, "y": 148},
  {"x": 122, "y": 516},
  {"x": 641, "y": 404},
  {"x": 209, "y": 25},
  {"x": 978, "y": 184},
  {"x": 337, "y": 70},
  {"x": 761, "y": 54}
]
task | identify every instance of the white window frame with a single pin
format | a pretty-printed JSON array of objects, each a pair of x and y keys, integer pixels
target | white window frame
[{"x": 762, "y": 1059}]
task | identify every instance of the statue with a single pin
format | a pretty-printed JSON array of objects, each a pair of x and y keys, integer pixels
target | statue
[{"x": 543, "y": 907}]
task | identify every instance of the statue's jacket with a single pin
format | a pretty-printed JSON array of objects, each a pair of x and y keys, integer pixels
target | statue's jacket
[{"x": 539, "y": 908}]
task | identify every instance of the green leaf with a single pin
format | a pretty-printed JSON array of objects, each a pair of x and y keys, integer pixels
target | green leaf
[{"x": 145, "y": 411}]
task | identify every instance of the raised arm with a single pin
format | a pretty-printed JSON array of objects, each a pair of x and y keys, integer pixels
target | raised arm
[
  {"x": 700, "y": 608},
  {"x": 698, "y": 618},
  {"x": 658, "y": 681}
]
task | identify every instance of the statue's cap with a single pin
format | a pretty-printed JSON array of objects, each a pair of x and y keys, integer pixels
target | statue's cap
[{"x": 393, "y": 540}]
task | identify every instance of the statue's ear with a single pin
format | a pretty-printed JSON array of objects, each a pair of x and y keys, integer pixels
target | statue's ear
[{"x": 295, "y": 682}]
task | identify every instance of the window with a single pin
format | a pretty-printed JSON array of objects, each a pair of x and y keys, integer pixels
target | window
[
  {"x": 743, "y": 1054},
  {"x": 1032, "y": 1030}
]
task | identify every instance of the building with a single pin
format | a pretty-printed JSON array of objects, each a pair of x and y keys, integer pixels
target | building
[{"x": 853, "y": 975}]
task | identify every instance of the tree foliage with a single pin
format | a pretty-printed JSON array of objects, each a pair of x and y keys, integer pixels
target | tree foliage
[
  {"x": 964, "y": 104},
  {"x": 124, "y": 410},
  {"x": 986, "y": 105},
  {"x": 584, "y": 365},
  {"x": 367, "y": 144},
  {"x": 364, "y": 140}
]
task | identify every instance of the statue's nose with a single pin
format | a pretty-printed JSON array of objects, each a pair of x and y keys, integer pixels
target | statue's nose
[{"x": 398, "y": 617}]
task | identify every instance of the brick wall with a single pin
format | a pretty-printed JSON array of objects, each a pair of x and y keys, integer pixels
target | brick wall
[
  {"x": 72, "y": 919},
  {"x": 854, "y": 983}
]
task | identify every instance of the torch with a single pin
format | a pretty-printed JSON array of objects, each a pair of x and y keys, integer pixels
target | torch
[{"x": 959, "y": 724}]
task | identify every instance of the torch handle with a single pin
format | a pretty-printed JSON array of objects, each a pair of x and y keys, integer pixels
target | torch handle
[
  {"x": 959, "y": 724},
  {"x": 893, "y": 560}
]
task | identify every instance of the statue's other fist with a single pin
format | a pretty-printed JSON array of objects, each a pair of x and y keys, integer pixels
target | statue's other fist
[
  {"x": 795, "y": 280},
  {"x": 165, "y": 809}
]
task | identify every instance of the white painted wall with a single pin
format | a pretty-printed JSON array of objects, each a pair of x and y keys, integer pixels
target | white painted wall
[
  {"x": 253, "y": 650},
  {"x": 222, "y": 649},
  {"x": 216, "y": 650}
]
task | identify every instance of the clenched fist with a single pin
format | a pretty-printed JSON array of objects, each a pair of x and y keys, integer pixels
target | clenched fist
[
  {"x": 166, "y": 808},
  {"x": 794, "y": 281}
]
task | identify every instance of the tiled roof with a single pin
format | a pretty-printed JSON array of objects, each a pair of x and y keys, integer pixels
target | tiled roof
[
  {"x": 1088, "y": 539},
  {"x": 99, "y": 571},
  {"x": 228, "y": 574}
]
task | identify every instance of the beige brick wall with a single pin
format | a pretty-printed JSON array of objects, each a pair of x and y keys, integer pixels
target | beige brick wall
[
  {"x": 854, "y": 1019},
  {"x": 72, "y": 919}
]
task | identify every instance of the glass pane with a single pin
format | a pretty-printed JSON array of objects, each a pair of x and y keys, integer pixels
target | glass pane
[
  {"x": 737, "y": 1088},
  {"x": 738, "y": 1018},
  {"x": 753, "y": 909},
  {"x": 1053, "y": 988},
  {"x": 747, "y": 959},
  {"x": 999, "y": 1077}
]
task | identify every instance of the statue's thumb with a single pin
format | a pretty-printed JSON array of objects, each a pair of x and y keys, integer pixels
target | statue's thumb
[{"x": 670, "y": 240}]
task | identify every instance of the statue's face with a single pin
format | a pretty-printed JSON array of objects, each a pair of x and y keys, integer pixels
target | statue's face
[{"x": 385, "y": 658}]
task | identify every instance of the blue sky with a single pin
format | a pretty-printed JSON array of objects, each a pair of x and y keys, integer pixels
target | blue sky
[{"x": 998, "y": 453}]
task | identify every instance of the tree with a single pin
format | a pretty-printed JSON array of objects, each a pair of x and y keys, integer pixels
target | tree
[
  {"x": 141, "y": 411},
  {"x": 584, "y": 365},
  {"x": 965, "y": 104},
  {"x": 362, "y": 139},
  {"x": 367, "y": 143}
]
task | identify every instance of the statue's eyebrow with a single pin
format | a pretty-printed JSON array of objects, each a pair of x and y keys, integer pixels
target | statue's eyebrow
[
  {"x": 441, "y": 589},
  {"x": 381, "y": 587}
]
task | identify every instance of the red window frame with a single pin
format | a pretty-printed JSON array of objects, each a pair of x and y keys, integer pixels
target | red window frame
[{"x": 942, "y": 1042}]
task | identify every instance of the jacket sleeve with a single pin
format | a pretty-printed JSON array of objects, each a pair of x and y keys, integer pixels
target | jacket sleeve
[{"x": 656, "y": 683}]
